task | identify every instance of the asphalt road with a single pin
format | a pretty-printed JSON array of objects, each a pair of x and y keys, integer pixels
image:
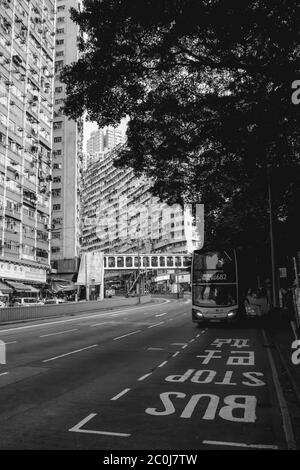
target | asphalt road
[{"x": 140, "y": 378}]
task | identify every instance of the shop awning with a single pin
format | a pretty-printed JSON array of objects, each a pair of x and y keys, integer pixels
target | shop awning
[
  {"x": 4, "y": 289},
  {"x": 33, "y": 289},
  {"x": 20, "y": 287},
  {"x": 67, "y": 286}
]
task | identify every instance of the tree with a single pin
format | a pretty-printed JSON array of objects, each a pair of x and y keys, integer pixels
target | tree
[{"x": 207, "y": 87}]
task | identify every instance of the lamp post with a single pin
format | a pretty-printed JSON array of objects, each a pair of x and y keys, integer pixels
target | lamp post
[{"x": 139, "y": 270}]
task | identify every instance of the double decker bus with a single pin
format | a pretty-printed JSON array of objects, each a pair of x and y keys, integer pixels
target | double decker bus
[{"x": 215, "y": 295}]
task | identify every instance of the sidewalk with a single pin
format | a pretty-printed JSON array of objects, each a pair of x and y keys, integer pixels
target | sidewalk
[{"x": 281, "y": 335}]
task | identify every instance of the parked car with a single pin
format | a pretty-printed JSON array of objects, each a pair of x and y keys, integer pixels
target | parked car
[
  {"x": 26, "y": 302},
  {"x": 54, "y": 300}
]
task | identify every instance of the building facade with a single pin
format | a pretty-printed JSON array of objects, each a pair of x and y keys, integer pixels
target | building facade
[
  {"x": 102, "y": 141},
  {"x": 27, "y": 47},
  {"x": 120, "y": 215},
  {"x": 67, "y": 154}
]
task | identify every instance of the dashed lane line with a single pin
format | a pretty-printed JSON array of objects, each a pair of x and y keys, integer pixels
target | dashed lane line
[
  {"x": 128, "y": 334},
  {"x": 144, "y": 376},
  {"x": 58, "y": 333},
  {"x": 69, "y": 353},
  {"x": 162, "y": 364},
  {"x": 116, "y": 397},
  {"x": 157, "y": 324},
  {"x": 3, "y": 373},
  {"x": 160, "y": 314}
]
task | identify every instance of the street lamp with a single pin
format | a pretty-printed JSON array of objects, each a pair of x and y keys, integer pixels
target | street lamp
[{"x": 273, "y": 265}]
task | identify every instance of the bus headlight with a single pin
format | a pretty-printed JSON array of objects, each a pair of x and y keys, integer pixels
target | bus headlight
[{"x": 232, "y": 313}]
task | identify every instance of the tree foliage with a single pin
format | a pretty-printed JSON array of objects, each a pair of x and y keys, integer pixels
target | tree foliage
[{"x": 207, "y": 87}]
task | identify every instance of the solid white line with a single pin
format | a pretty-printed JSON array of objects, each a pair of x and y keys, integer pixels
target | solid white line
[
  {"x": 241, "y": 444},
  {"x": 286, "y": 420},
  {"x": 294, "y": 329},
  {"x": 144, "y": 376},
  {"x": 78, "y": 318},
  {"x": 121, "y": 394},
  {"x": 4, "y": 373},
  {"x": 59, "y": 333},
  {"x": 160, "y": 314},
  {"x": 176, "y": 354},
  {"x": 72, "y": 352},
  {"x": 162, "y": 364},
  {"x": 157, "y": 324},
  {"x": 156, "y": 349},
  {"x": 128, "y": 334},
  {"x": 78, "y": 426}
]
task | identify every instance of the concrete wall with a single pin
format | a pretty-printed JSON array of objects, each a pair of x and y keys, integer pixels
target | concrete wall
[{"x": 70, "y": 308}]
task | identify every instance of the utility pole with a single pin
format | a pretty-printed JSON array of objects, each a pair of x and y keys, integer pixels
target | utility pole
[
  {"x": 177, "y": 278},
  {"x": 273, "y": 264},
  {"x": 139, "y": 271}
]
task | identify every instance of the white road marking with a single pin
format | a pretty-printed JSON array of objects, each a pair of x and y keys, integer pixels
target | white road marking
[
  {"x": 128, "y": 334},
  {"x": 72, "y": 352},
  {"x": 160, "y": 314},
  {"x": 294, "y": 329},
  {"x": 241, "y": 444},
  {"x": 144, "y": 376},
  {"x": 286, "y": 420},
  {"x": 4, "y": 373},
  {"x": 171, "y": 319},
  {"x": 185, "y": 346},
  {"x": 78, "y": 318},
  {"x": 11, "y": 342},
  {"x": 156, "y": 324},
  {"x": 176, "y": 354},
  {"x": 78, "y": 427},
  {"x": 59, "y": 333},
  {"x": 156, "y": 349},
  {"x": 126, "y": 390},
  {"x": 162, "y": 364},
  {"x": 177, "y": 344},
  {"x": 191, "y": 340},
  {"x": 98, "y": 324}
]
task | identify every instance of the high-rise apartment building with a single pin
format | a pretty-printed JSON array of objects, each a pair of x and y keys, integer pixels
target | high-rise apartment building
[
  {"x": 102, "y": 141},
  {"x": 27, "y": 46},
  {"x": 120, "y": 214},
  {"x": 67, "y": 153}
]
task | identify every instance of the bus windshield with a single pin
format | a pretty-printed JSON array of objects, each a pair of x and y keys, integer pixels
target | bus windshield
[
  {"x": 214, "y": 278},
  {"x": 215, "y": 295}
]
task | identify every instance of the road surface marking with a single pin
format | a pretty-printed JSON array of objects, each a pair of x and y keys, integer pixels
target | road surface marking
[
  {"x": 176, "y": 354},
  {"x": 98, "y": 324},
  {"x": 78, "y": 426},
  {"x": 72, "y": 352},
  {"x": 156, "y": 349},
  {"x": 185, "y": 346},
  {"x": 294, "y": 329},
  {"x": 144, "y": 376},
  {"x": 191, "y": 340},
  {"x": 11, "y": 342},
  {"x": 126, "y": 390},
  {"x": 177, "y": 344},
  {"x": 240, "y": 444},
  {"x": 162, "y": 364},
  {"x": 156, "y": 324},
  {"x": 171, "y": 319},
  {"x": 78, "y": 318},
  {"x": 128, "y": 334},
  {"x": 59, "y": 333},
  {"x": 160, "y": 314},
  {"x": 286, "y": 420},
  {"x": 4, "y": 373}
]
